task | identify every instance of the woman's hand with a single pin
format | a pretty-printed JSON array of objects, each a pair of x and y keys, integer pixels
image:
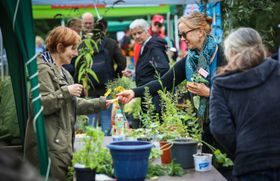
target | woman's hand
[
  {"x": 125, "y": 96},
  {"x": 198, "y": 89},
  {"x": 111, "y": 101},
  {"x": 75, "y": 89}
]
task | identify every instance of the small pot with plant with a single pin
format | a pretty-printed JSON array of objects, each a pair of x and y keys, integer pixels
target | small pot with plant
[
  {"x": 165, "y": 146},
  {"x": 180, "y": 122},
  {"x": 150, "y": 120},
  {"x": 91, "y": 158}
]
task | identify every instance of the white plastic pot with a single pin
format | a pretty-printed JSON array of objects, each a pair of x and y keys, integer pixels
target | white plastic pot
[{"x": 202, "y": 162}]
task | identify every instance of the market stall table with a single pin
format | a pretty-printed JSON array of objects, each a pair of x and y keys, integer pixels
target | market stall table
[{"x": 190, "y": 175}]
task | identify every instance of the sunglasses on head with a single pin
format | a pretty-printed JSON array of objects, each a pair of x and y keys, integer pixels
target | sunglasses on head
[
  {"x": 185, "y": 34},
  {"x": 158, "y": 24}
]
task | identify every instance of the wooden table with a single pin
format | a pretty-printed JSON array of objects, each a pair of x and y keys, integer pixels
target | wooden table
[{"x": 191, "y": 174}]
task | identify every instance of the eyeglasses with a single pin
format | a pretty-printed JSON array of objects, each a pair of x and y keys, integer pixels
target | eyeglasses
[
  {"x": 158, "y": 24},
  {"x": 185, "y": 34}
]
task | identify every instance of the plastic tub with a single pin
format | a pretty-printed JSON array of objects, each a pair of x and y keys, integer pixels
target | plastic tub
[{"x": 203, "y": 162}]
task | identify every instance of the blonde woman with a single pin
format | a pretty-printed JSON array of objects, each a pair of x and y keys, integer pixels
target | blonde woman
[{"x": 204, "y": 56}]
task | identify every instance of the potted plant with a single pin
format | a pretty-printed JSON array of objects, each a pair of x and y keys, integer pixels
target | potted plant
[
  {"x": 179, "y": 123},
  {"x": 165, "y": 146},
  {"x": 149, "y": 122},
  {"x": 130, "y": 158},
  {"x": 92, "y": 158},
  {"x": 203, "y": 161}
]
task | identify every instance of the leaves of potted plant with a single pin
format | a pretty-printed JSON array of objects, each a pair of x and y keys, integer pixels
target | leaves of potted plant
[
  {"x": 177, "y": 121},
  {"x": 83, "y": 63},
  {"x": 92, "y": 157}
]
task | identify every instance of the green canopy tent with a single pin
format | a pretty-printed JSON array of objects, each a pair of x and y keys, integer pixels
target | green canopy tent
[{"x": 19, "y": 41}]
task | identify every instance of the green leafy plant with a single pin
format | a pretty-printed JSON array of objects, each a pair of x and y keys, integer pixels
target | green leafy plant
[
  {"x": 175, "y": 120},
  {"x": 155, "y": 170},
  {"x": 81, "y": 123},
  {"x": 134, "y": 108},
  {"x": 240, "y": 13},
  {"x": 93, "y": 155},
  {"x": 150, "y": 120},
  {"x": 182, "y": 122},
  {"x": 220, "y": 157},
  {"x": 174, "y": 169},
  {"x": 117, "y": 85},
  {"x": 198, "y": 79},
  {"x": 83, "y": 62},
  {"x": 171, "y": 169}
]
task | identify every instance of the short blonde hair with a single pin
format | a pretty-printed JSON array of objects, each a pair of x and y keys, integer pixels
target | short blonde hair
[
  {"x": 197, "y": 20},
  {"x": 63, "y": 35}
]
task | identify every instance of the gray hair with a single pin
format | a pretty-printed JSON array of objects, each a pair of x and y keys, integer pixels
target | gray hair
[
  {"x": 139, "y": 23},
  {"x": 243, "y": 49}
]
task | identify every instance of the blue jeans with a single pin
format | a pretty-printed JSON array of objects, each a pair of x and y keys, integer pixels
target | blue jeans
[
  {"x": 104, "y": 118},
  {"x": 267, "y": 175}
]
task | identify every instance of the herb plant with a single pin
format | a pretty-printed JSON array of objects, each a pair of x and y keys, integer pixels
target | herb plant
[{"x": 93, "y": 155}]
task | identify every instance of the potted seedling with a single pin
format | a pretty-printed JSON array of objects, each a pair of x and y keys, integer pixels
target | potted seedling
[
  {"x": 92, "y": 158},
  {"x": 178, "y": 121},
  {"x": 150, "y": 120}
]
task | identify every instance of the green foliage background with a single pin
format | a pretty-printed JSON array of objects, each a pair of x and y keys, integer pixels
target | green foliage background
[{"x": 262, "y": 15}]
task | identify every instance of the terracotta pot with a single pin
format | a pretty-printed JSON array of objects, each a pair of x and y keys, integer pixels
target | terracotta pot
[{"x": 166, "y": 152}]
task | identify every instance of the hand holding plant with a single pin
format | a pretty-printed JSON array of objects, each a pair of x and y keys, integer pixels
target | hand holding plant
[{"x": 199, "y": 89}]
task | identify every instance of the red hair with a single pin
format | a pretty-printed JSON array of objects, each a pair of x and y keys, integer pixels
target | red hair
[{"x": 63, "y": 35}]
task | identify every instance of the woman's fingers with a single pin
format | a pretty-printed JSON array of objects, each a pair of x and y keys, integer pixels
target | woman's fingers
[
  {"x": 198, "y": 89},
  {"x": 75, "y": 89},
  {"x": 125, "y": 96}
]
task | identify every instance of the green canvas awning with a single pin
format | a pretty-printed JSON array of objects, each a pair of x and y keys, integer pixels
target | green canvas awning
[
  {"x": 50, "y": 12},
  {"x": 19, "y": 42}
]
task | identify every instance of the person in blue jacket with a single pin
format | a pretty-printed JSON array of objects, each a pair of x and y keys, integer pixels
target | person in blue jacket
[{"x": 244, "y": 107}]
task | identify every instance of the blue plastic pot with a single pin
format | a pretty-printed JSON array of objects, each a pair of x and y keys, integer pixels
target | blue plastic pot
[{"x": 130, "y": 159}]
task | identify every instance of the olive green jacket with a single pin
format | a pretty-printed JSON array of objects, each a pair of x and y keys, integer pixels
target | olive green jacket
[{"x": 60, "y": 110}]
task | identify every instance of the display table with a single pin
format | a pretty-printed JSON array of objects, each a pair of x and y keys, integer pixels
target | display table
[{"x": 191, "y": 174}]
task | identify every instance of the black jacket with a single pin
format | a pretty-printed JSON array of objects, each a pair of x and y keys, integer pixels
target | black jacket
[
  {"x": 115, "y": 53},
  {"x": 152, "y": 59},
  {"x": 245, "y": 117}
]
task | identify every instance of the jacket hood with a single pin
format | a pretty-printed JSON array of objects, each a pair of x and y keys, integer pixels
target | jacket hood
[
  {"x": 158, "y": 42},
  {"x": 249, "y": 78}
]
